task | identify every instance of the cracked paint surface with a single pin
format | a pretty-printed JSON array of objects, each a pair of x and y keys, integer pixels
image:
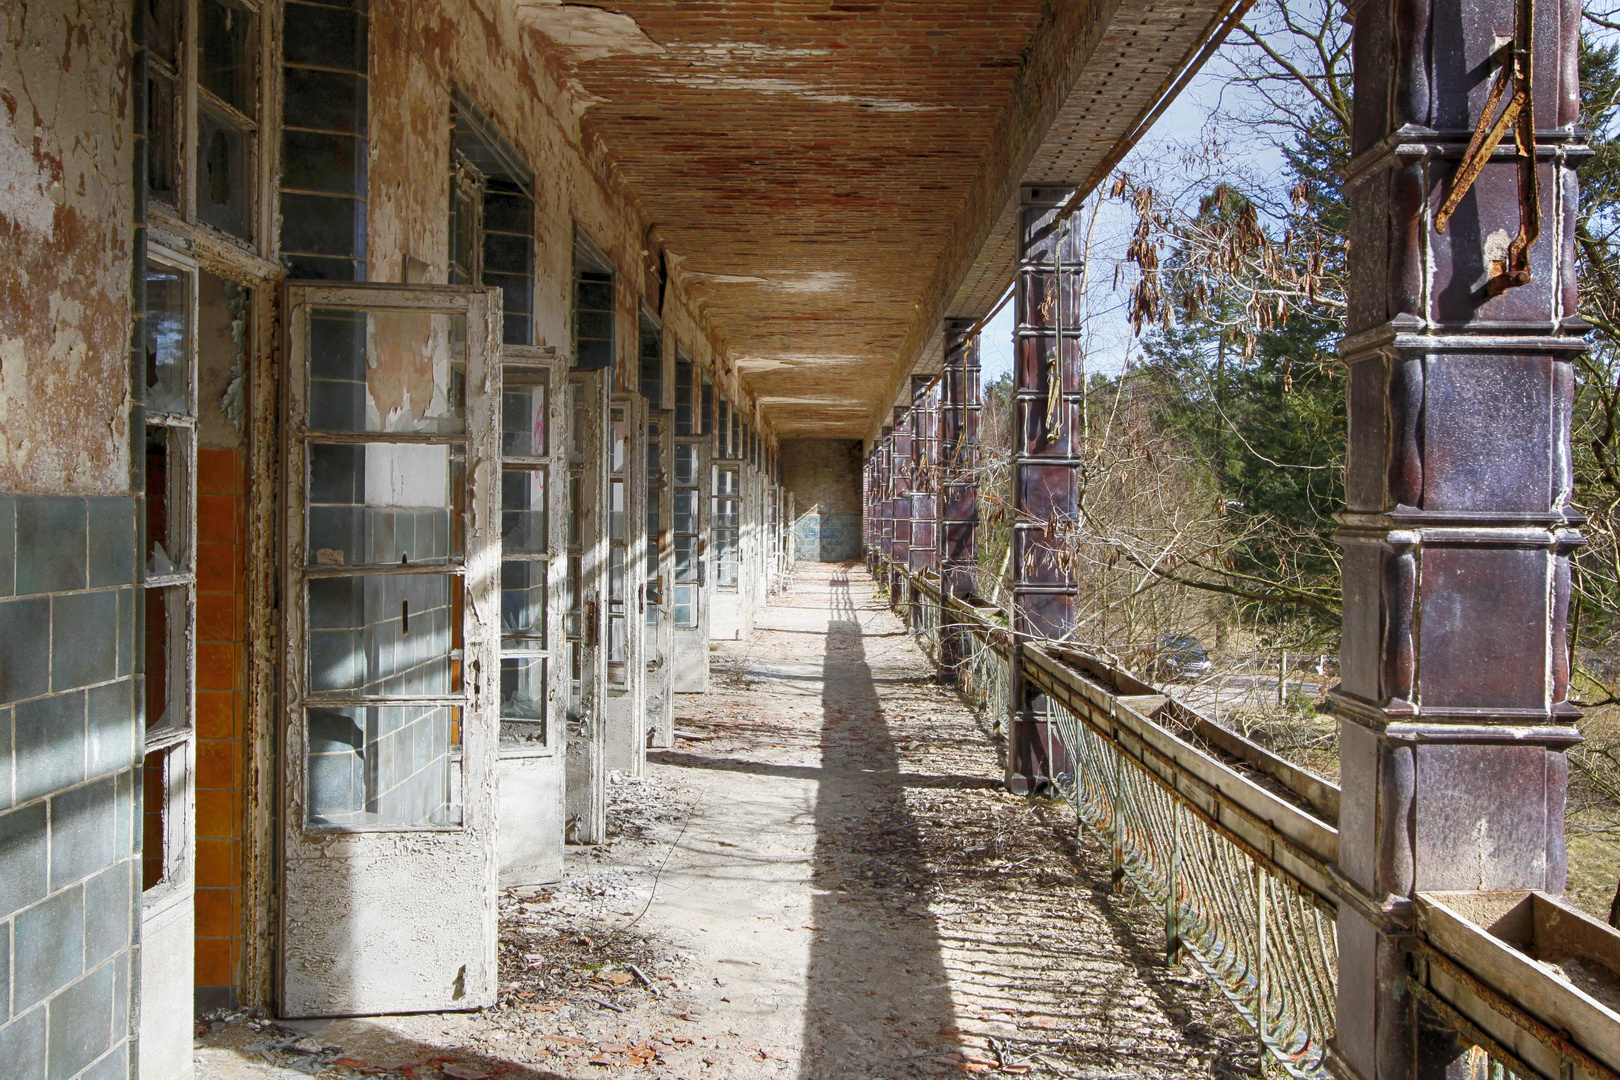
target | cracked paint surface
[{"x": 65, "y": 209}]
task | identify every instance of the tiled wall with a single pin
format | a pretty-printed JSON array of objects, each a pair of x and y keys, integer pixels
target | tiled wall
[
  {"x": 824, "y": 476},
  {"x": 221, "y": 750},
  {"x": 69, "y": 747},
  {"x": 827, "y": 537}
]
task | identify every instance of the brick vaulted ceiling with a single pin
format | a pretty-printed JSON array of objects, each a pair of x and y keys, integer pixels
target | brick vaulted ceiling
[{"x": 831, "y": 178}]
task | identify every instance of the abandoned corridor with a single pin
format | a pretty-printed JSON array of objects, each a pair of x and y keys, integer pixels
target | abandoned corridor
[{"x": 839, "y": 886}]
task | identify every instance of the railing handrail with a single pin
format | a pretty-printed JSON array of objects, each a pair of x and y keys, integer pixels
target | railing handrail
[{"x": 1276, "y": 832}]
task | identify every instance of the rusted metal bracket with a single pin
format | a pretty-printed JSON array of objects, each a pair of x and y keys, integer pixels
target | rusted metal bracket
[{"x": 1517, "y": 72}]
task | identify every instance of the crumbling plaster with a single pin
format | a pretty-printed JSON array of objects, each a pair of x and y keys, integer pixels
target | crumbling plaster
[
  {"x": 65, "y": 224},
  {"x": 506, "y": 62}
]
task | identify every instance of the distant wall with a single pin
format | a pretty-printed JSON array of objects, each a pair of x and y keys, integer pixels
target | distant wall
[{"x": 825, "y": 478}]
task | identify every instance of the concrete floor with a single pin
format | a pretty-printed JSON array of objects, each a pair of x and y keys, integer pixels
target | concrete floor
[{"x": 822, "y": 880}]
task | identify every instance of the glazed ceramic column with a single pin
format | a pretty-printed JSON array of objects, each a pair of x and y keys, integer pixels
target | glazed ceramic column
[
  {"x": 958, "y": 483},
  {"x": 1458, "y": 527},
  {"x": 1046, "y": 392},
  {"x": 925, "y": 470}
]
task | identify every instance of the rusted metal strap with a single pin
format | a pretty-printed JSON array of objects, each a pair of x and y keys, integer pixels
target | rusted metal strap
[
  {"x": 1466, "y": 1028},
  {"x": 1558, "y": 1042},
  {"x": 1517, "y": 72}
]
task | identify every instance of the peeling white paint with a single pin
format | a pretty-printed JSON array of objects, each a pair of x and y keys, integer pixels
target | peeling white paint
[
  {"x": 799, "y": 88},
  {"x": 69, "y": 346},
  {"x": 704, "y": 278},
  {"x": 589, "y": 33},
  {"x": 13, "y": 380},
  {"x": 24, "y": 196},
  {"x": 732, "y": 53}
]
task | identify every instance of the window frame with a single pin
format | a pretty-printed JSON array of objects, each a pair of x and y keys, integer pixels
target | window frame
[
  {"x": 536, "y": 362},
  {"x": 479, "y": 641},
  {"x": 174, "y": 745},
  {"x": 191, "y": 100}
]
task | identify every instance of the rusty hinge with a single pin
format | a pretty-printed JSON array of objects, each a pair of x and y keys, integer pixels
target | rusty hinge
[{"x": 1516, "y": 72}]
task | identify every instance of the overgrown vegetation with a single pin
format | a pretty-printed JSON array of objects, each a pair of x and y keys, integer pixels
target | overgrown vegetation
[{"x": 1213, "y": 457}]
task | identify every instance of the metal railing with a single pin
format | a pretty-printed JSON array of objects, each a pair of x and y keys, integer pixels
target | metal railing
[
  {"x": 1239, "y": 872},
  {"x": 1236, "y": 848}
]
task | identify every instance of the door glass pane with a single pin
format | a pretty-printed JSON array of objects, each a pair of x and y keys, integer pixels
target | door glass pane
[
  {"x": 686, "y": 463},
  {"x": 168, "y": 339},
  {"x": 394, "y": 371},
  {"x": 686, "y": 558},
  {"x": 385, "y": 635},
  {"x": 575, "y": 624},
  {"x": 523, "y": 511},
  {"x": 167, "y": 696},
  {"x": 686, "y": 606},
  {"x": 686, "y": 510},
  {"x": 394, "y": 765},
  {"x": 523, "y": 691},
  {"x": 523, "y": 419},
  {"x": 167, "y": 535},
  {"x": 523, "y": 598},
  {"x": 617, "y": 648},
  {"x": 616, "y": 578},
  {"x": 385, "y": 503},
  {"x": 616, "y": 511},
  {"x": 162, "y": 135}
]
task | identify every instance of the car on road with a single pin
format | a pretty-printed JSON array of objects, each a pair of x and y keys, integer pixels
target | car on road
[{"x": 1181, "y": 656}]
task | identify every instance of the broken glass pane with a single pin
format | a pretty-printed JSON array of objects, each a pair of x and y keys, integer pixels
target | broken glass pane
[
  {"x": 523, "y": 690},
  {"x": 224, "y": 174},
  {"x": 168, "y": 550},
  {"x": 155, "y": 863},
  {"x": 168, "y": 339},
  {"x": 523, "y": 601}
]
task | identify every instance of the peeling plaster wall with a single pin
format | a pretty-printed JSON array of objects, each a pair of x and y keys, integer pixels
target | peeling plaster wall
[
  {"x": 500, "y": 56},
  {"x": 65, "y": 213}
]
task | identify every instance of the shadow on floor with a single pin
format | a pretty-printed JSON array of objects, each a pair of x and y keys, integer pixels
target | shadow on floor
[{"x": 872, "y": 935}]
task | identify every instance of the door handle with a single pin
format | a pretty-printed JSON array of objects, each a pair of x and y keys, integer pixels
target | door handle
[
  {"x": 641, "y": 600},
  {"x": 592, "y": 637}
]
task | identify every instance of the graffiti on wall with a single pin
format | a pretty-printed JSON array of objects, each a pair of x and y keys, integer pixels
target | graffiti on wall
[{"x": 827, "y": 537}]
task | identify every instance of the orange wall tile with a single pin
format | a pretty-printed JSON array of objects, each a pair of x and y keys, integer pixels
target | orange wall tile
[{"x": 221, "y": 675}]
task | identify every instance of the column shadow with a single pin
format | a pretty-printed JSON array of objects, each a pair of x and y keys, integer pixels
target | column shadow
[{"x": 878, "y": 1001}]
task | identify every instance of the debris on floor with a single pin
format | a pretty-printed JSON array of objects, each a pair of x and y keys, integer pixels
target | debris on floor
[{"x": 822, "y": 880}]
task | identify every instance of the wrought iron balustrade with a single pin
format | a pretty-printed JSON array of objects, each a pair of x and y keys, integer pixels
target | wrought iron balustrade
[{"x": 1236, "y": 847}]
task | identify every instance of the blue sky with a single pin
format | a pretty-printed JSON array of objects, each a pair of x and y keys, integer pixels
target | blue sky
[{"x": 1110, "y": 342}]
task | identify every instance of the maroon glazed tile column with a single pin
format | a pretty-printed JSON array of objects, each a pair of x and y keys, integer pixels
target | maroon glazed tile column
[
  {"x": 925, "y": 470},
  {"x": 900, "y": 501},
  {"x": 885, "y": 490},
  {"x": 869, "y": 488},
  {"x": 1458, "y": 528},
  {"x": 959, "y": 484},
  {"x": 1046, "y": 350}
]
